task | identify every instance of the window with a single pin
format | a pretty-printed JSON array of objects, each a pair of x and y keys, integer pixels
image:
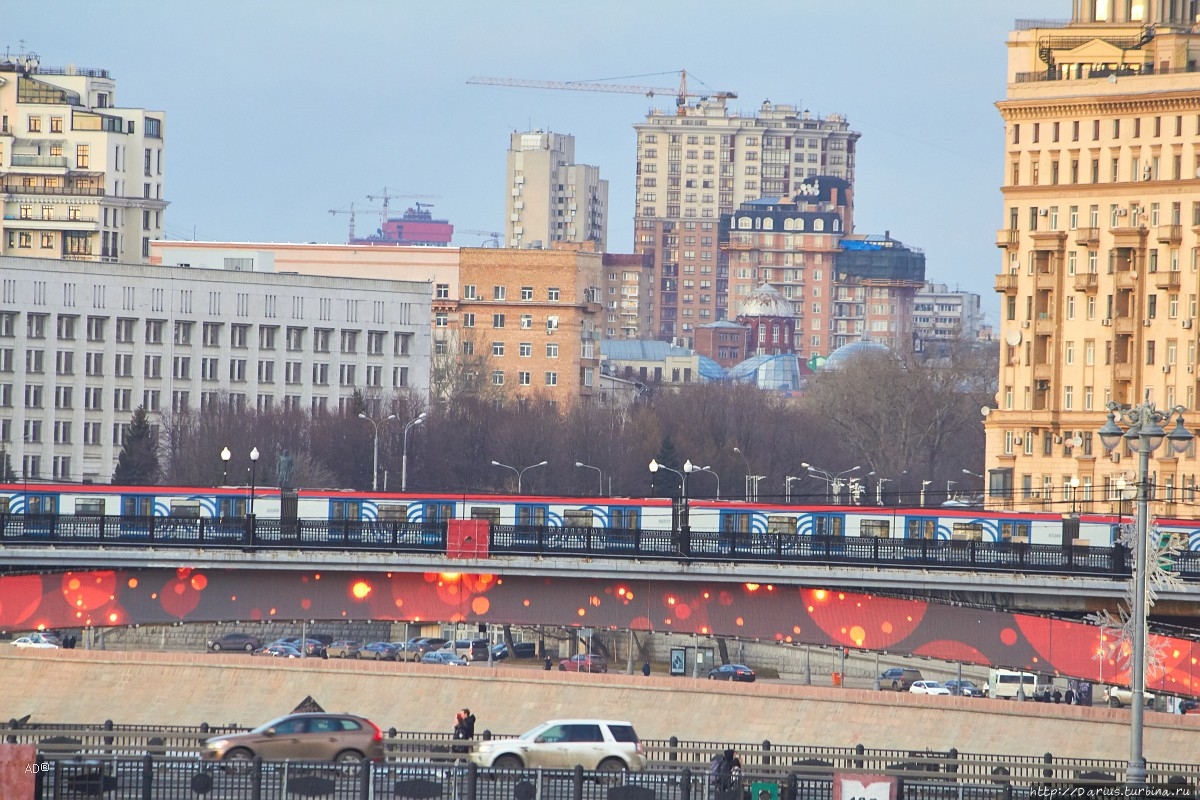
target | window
[
  {"x": 498, "y": 293},
  {"x": 526, "y": 292},
  {"x": 239, "y": 335},
  {"x": 497, "y": 320},
  {"x": 442, "y": 291},
  {"x": 526, "y": 349},
  {"x": 524, "y": 378},
  {"x": 183, "y": 332},
  {"x": 497, "y": 378},
  {"x": 497, "y": 348},
  {"x": 552, "y": 379},
  {"x": 295, "y": 339},
  {"x": 552, "y": 294},
  {"x": 468, "y": 320},
  {"x": 552, "y": 350}
]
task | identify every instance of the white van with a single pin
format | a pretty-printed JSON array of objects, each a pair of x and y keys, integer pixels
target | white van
[{"x": 1004, "y": 684}]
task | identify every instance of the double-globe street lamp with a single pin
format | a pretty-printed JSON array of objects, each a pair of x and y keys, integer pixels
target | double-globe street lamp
[
  {"x": 417, "y": 420},
  {"x": 1146, "y": 434},
  {"x": 520, "y": 472},
  {"x": 689, "y": 467},
  {"x": 684, "y": 523},
  {"x": 375, "y": 459}
]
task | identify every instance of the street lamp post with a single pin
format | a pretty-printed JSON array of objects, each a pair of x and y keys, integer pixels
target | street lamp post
[
  {"x": 1074, "y": 484},
  {"x": 1146, "y": 432},
  {"x": 520, "y": 472},
  {"x": 225, "y": 456},
  {"x": 404, "y": 454},
  {"x": 253, "y": 464},
  {"x": 599, "y": 472},
  {"x": 746, "y": 461},
  {"x": 684, "y": 522},
  {"x": 787, "y": 486},
  {"x": 375, "y": 460},
  {"x": 924, "y": 483},
  {"x": 879, "y": 490},
  {"x": 688, "y": 466},
  {"x": 834, "y": 481}
]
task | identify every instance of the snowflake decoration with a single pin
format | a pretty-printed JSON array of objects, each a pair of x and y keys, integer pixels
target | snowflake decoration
[{"x": 1161, "y": 552}]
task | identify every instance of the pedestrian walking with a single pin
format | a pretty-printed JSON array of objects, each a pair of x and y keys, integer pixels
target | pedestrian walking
[
  {"x": 548, "y": 664},
  {"x": 646, "y": 669}
]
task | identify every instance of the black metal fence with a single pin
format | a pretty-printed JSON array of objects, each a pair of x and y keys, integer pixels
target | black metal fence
[{"x": 252, "y": 534}]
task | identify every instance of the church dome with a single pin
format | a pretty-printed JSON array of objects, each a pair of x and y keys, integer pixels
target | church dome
[
  {"x": 847, "y": 353},
  {"x": 766, "y": 301}
]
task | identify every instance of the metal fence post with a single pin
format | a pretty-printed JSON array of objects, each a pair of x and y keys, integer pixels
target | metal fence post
[
  {"x": 366, "y": 778},
  {"x": 766, "y": 746},
  {"x": 685, "y": 784},
  {"x": 147, "y": 777},
  {"x": 859, "y": 750},
  {"x": 256, "y": 779},
  {"x": 577, "y": 783},
  {"x": 472, "y": 780},
  {"x": 674, "y": 743}
]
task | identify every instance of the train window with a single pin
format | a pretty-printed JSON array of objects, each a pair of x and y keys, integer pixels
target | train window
[
  {"x": 231, "y": 507},
  {"x": 393, "y": 512},
  {"x": 439, "y": 512},
  {"x": 185, "y": 508},
  {"x": 577, "y": 518},
  {"x": 345, "y": 509},
  {"x": 531, "y": 515},
  {"x": 1009, "y": 530},
  {"x": 137, "y": 506},
  {"x": 921, "y": 528},
  {"x": 490, "y": 513},
  {"x": 89, "y": 505},
  {"x": 781, "y": 524},
  {"x": 967, "y": 532},
  {"x": 828, "y": 525},
  {"x": 3, "y": 505},
  {"x": 878, "y": 528},
  {"x": 735, "y": 522},
  {"x": 624, "y": 519}
]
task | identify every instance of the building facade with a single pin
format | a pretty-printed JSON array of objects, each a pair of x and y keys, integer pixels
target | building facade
[
  {"x": 626, "y": 293},
  {"x": 550, "y": 198},
  {"x": 700, "y": 161},
  {"x": 944, "y": 315},
  {"x": 81, "y": 348},
  {"x": 81, "y": 177},
  {"x": 1100, "y": 249}
]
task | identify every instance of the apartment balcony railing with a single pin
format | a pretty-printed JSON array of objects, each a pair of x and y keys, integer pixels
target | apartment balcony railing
[
  {"x": 1007, "y": 283},
  {"x": 1167, "y": 280},
  {"x": 1087, "y": 236},
  {"x": 57, "y": 162},
  {"x": 1086, "y": 282},
  {"x": 1169, "y": 234},
  {"x": 1007, "y": 237}
]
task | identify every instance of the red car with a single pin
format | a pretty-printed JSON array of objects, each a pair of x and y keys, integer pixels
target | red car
[{"x": 584, "y": 663}]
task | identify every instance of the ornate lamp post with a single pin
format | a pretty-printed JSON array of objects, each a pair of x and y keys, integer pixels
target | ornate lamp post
[
  {"x": 684, "y": 521},
  {"x": 1147, "y": 434},
  {"x": 404, "y": 456},
  {"x": 225, "y": 456},
  {"x": 375, "y": 460},
  {"x": 598, "y": 472},
  {"x": 253, "y": 464},
  {"x": 520, "y": 472}
]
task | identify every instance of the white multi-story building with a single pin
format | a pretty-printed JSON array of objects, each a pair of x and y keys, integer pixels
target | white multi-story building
[
  {"x": 551, "y": 198},
  {"x": 941, "y": 314},
  {"x": 81, "y": 348},
  {"x": 81, "y": 178}
]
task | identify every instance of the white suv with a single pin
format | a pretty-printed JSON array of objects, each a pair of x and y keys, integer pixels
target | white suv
[
  {"x": 1118, "y": 696},
  {"x": 596, "y": 744}
]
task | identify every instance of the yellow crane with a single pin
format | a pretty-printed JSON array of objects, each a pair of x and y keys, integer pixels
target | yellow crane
[{"x": 682, "y": 93}]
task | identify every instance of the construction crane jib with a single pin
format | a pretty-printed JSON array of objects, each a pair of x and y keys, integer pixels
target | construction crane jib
[{"x": 682, "y": 93}]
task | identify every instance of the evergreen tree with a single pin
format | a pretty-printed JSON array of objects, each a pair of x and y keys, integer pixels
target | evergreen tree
[{"x": 137, "y": 464}]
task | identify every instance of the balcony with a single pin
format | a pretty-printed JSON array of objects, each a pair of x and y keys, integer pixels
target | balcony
[
  {"x": 1123, "y": 325},
  {"x": 1048, "y": 240},
  {"x": 1086, "y": 282},
  {"x": 1129, "y": 237},
  {"x": 1123, "y": 371},
  {"x": 1007, "y": 283},
  {"x": 1089, "y": 237},
  {"x": 1126, "y": 279},
  {"x": 1043, "y": 372},
  {"x": 1007, "y": 237},
  {"x": 1043, "y": 327},
  {"x": 44, "y": 162},
  {"x": 1169, "y": 234},
  {"x": 1166, "y": 280},
  {"x": 741, "y": 244},
  {"x": 1045, "y": 279}
]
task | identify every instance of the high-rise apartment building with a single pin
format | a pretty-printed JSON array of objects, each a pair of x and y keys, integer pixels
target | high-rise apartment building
[
  {"x": 942, "y": 314},
  {"x": 82, "y": 178},
  {"x": 550, "y": 198},
  {"x": 697, "y": 162},
  {"x": 1100, "y": 249}
]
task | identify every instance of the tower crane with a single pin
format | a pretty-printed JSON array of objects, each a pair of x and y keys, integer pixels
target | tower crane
[
  {"x": 492, "y": 236},
  {"x": 352, "y": 212},
  {"x": 385, "y": 197},
  {"x": 682, "y": 93}
]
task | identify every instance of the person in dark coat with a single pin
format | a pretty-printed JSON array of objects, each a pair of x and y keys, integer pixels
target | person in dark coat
[
  {"x": 727, "y": 770},
  {"x": 465, "y": 727},
  {"x": 548, "y": 664},
  {"x": 646, "y": 669}
]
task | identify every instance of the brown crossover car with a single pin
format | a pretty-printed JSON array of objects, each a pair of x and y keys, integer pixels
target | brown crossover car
[{"x": 301, "y": 737}]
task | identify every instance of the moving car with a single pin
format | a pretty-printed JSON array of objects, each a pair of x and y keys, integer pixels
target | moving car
[
  {"x": 594, "y": 744},
  {"x": 522, "y": 649},
  {"x": 380, "y": 651},
  {"x": 1118, "y": 696},
  {"x": 235, "y": 641},
  {"x": 899, "y": 679},
  {"x": 963, "y": 688},
  {"x": 584, "y": 662},
  {"x": 928, "y": 687},
  {"x": 464, "y": 647},
  {"x": 444, "y": 657},
  {"x": 312, "y": 737},
  {"x": 34, "y": 641},
  {"x": 732, "y": 672},
  {"x": 279, "y": 651},
  {"x": 343, "y": 648}
]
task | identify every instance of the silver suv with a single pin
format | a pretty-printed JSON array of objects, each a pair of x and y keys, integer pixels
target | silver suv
[
  {"x": 595, "y": 744},
  {"x": 900, "y": 679}
]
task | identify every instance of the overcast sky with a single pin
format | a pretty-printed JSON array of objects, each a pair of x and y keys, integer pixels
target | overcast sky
[{"x": 279, "y": 111}]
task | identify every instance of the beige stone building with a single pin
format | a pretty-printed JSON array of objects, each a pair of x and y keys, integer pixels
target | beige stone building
[
  {"x": 700, "y": 161},
  {"x": 81, "y": 177},
  {"x": 1099, "y": 251},
  {"x": 550, "y": 198}
]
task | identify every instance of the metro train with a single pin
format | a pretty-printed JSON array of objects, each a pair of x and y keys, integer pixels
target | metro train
[{"x": 602, "y": 513}]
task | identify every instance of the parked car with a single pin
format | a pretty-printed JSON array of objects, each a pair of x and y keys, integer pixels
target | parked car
[
  {"x": 1118, "y": 696},
  {"x": 561, "y": 744},
  {"x": 343, "y": 648},
  {"x": 34, "y": 641},
  {"x": 407, "y": 651},
  {"x": 522, "y": 649},
  {"x": 1189, "y": 706},
  {"x": 312, "y": 647},
  {"x": 732, "y": 672},
  {"x": 235, "y": 641},
  {"x": 380, "y": 651},
  {"x": 928, "y": 687},
  {"x": 429, "y": 643},
  {"x": 963, "y": 688},
  {"x": 584, "y": 662},
  {"x": 319, "y": 737},
  {"x": 279, "y": 651},
  {"x": 444, "y": 657},
  {"x": 464, "y": 647},
  {"x": 899, "y": 679}
]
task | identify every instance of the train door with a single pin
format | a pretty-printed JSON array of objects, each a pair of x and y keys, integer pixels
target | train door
[
  {"x": 920, "y": 528},
  {"x": 231, "y": 507},
  {"x": 831, "y": 525},
  {"x": 623, "y": 526},
  {"x": 136, "y": 513},
  {"x": 1014, "y": 531},
  {"x": 41, "y": 510}
]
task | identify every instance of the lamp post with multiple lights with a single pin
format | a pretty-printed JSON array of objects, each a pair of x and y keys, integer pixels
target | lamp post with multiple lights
[
  {"x": 1146, "y": 434},
  {"x": 787, "y": 486},
  {"x": 520, "y": 472},
  {"x": 404, "y": 455},
  {"x": 375, "y": 460},
  {"x": 834, "y": 481},
  {"x": 689, "y": 467},
  {"x": 684, "y": 522}
]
